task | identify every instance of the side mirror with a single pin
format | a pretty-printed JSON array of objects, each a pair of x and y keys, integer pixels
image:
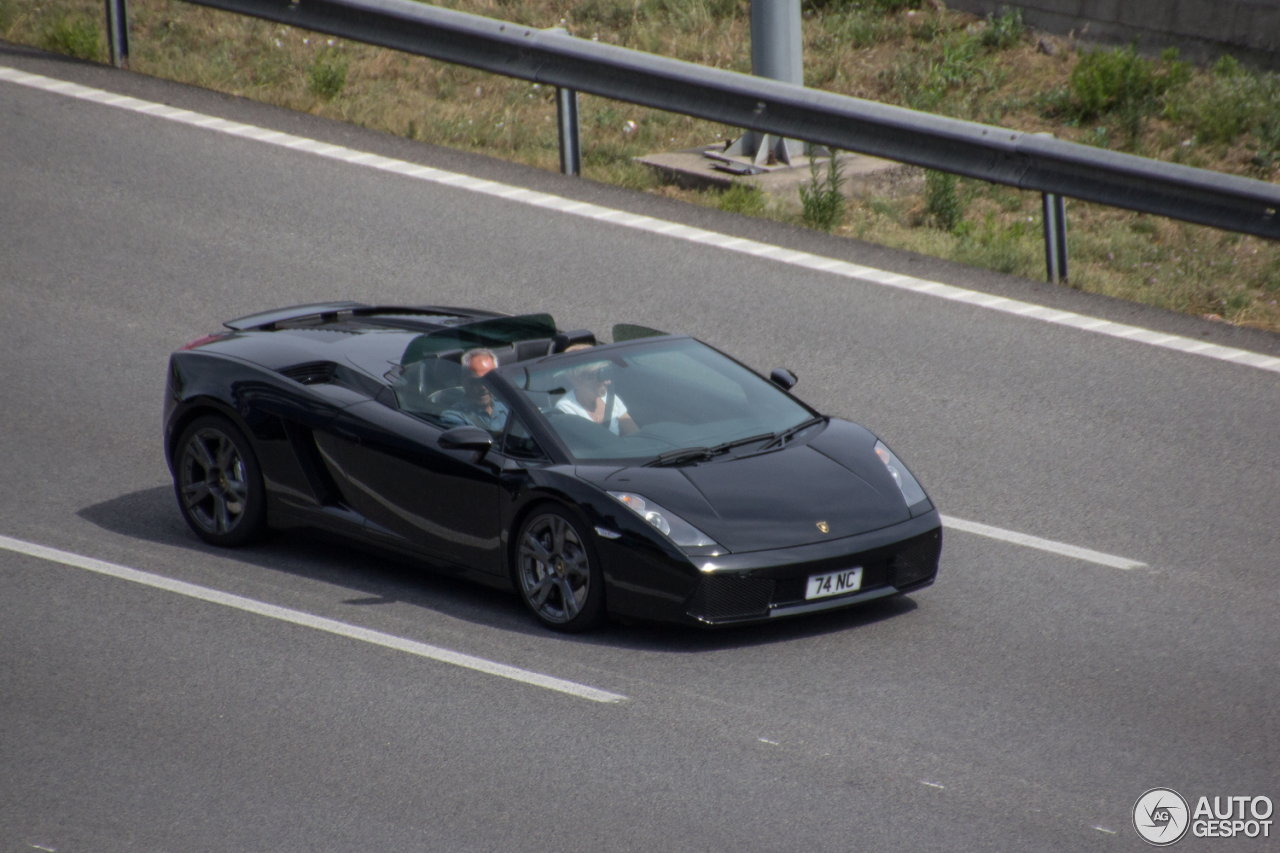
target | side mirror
[
  {"x": 467, "y": 438},
  {"x": 783, "y": 378}
]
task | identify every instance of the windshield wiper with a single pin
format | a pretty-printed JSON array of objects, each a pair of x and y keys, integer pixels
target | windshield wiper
[
  {"x": 787, "y": 434},
  {"x": 738, "y": 442},
  {"x": 684, "y": 454},
  {"x": 689, "y": 454}
]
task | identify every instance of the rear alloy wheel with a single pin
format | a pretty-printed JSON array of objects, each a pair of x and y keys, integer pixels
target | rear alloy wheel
[
  {"x": 557, "y": 574},
  {"x": 218, "y": 482}
]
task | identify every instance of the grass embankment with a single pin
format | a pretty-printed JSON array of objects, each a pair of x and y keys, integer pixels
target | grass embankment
[{"x": 897, "y": 51}]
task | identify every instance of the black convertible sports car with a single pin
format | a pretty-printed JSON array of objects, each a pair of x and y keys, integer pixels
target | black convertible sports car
[{"x": 650, "y": 478}]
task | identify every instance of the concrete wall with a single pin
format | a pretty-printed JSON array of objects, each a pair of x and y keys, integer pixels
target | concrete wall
[{"x": 1201, "y": 29}]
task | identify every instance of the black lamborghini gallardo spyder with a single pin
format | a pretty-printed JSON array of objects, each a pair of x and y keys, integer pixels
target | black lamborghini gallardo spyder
[{"x": 650, "y": 478}]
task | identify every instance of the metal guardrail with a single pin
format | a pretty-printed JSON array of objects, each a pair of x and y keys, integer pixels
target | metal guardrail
[{"x": 999, "y": 155}]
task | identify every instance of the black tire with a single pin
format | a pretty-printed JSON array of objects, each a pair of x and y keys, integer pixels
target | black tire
[
  {"x": 218, "y": 482},
  {"x": 556, "y": 571}
]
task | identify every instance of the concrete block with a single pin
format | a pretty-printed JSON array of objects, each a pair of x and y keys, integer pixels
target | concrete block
[
  {"x": 1262, "y": 30},
  {"x": 1203, "y": 19},
  {"x": 1201, "y": 29},
  {"x": 1066, "y": 8},
  {"x": 1154, "y": 15},
  {"x": 1100, "y": 11}
]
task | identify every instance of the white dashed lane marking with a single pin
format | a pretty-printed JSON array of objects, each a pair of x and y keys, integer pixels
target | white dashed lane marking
[
  {"x": 309, "y": 620},
  {"x": 1073, "y": 551}
]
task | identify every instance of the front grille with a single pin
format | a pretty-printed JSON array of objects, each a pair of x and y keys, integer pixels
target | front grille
[
  {"x": 731, "y": 597},
  {"x": 312, "y": 372},
  {"x": 916, "y": 560}
]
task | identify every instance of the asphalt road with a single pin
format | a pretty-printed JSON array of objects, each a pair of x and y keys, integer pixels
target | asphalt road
[{"x": 1023, "y": 702}]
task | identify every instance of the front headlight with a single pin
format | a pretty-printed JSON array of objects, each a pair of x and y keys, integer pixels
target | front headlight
[
  {"x": 911, "y": 491},
  {"x": 676, "y": 528}
]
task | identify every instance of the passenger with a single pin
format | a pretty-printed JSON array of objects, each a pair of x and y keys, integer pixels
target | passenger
[
  {"x": 478, "y": 407},
  {"x": 592, "y": 398}
]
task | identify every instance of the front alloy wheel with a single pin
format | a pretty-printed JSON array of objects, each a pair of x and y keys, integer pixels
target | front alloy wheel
[
  {"x": 557, "y": 576},
  {"x": 218, "y": 482}
]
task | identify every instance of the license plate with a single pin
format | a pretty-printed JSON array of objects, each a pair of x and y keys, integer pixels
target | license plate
[{"x": 836, "y": 583}]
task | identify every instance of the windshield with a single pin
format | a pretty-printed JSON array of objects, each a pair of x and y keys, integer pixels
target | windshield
[{"x": 647, "y": 400}]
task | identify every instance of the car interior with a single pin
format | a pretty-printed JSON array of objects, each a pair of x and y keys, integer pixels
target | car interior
[{"x": 430, "y": 383}]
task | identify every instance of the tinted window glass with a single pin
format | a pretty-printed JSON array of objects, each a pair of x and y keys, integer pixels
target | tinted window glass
[
  {"x": 643, "y": 400},
  {"x": 489, "y": 334},
  {"x": 438, "y": 390},
  {"x": 519, "y": 444}
]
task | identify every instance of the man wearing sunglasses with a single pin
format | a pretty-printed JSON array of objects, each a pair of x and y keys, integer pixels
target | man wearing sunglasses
[{"x": 478, "y": 407}]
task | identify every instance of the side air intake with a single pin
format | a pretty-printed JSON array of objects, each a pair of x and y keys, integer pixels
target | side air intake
[{"x": 312, "y": 372}]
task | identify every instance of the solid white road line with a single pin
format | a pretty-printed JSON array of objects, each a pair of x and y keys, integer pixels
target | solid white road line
[
  {"x": 975, "y": 298},
  {"x": 1042, "y": 544},
  {"x": 309, "y": 620}
]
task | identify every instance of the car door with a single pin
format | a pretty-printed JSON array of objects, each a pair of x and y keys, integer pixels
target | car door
[
  {"x": 297, "y": 487},
  {"x": 444, "y": 504}
]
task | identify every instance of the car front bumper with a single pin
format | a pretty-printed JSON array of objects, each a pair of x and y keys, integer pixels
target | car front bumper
[{"x": 763, "y": 585}]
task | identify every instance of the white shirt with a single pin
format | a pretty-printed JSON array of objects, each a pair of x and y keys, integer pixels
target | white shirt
[{"x": 569, "y": 403}]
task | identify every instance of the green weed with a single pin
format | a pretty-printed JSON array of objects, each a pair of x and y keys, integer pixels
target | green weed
[
  {"x": 929, "y": 28},
  {"x": 743, "y": 198},
  {"x": 75, "y": 37},
  {"x": 1268, "y": 277},
  {"x": 924, "y": 79},
  {"x": 1237, "y": 301},
  {"x": 1121, "y": 82},
  {"x": 626, "y": 14},
  {"x": 884, "y": 208},
  {"x": 1267, "y": 137},
  {"x": 822, "y": 202},
  {"x": 882, "y": 7},
  {"x": 1228, "y": 104},
  {"x": 1007, "y": 250},
  {"x": 1055, "y": 104},
  {"x": 1003, "y": 32},
  {"x": 623, "y": 173},
  {"x": 891, "y": 6},
  {"x": 326, "y": 77},
  {"x": 1226, "y": 66},
  {"x": 859, "y": 28},
  {"x": 942, "y": 203}
]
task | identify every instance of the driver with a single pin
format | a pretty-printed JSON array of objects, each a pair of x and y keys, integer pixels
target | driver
[
  {"x": 591, "y": 397},
  {"x": 478, "y": 407}
]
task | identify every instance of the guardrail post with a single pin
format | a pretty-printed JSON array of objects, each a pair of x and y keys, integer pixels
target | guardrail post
[
  {"x": 118, "y": 32},
  {"x": 570, "y": 143},
  {"x": 1055, "y": 237}
]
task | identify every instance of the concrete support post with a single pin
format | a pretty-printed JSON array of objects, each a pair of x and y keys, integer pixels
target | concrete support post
[
  {"x": 570, "y": 143},
  {"x": 118, "y": 32},
  {"x": 776, "y": 44},
  {"x": 777, "y": 53},
  {"x": 1055, "y": 237}
]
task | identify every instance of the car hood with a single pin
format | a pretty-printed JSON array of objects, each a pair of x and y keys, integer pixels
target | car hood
[{"x": 776, "y": 499}]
